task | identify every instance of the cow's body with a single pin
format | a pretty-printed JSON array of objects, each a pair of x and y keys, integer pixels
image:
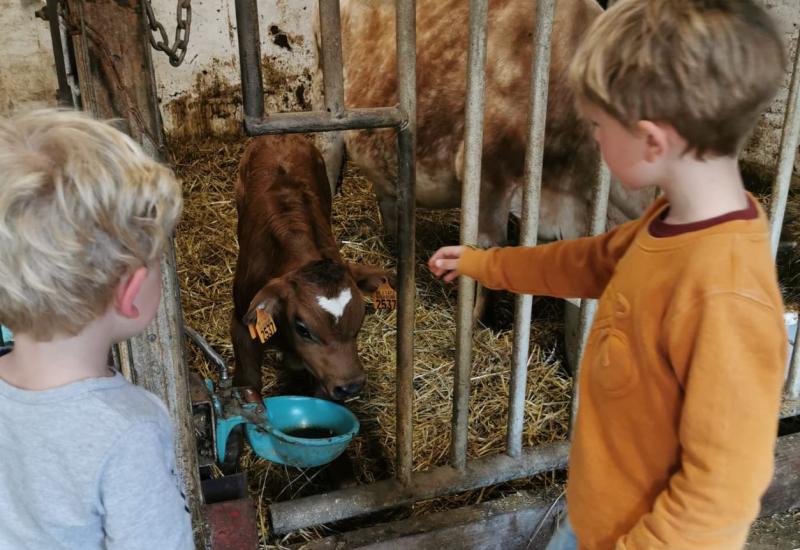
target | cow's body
[
  {"x": 570, "y": 158},
  {"x": 289, "y": 265}
]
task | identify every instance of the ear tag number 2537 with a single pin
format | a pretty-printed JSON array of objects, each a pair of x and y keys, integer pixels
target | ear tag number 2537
[
  {"x": 264, "y": 328},
  {"x": 385, "y": 297}
]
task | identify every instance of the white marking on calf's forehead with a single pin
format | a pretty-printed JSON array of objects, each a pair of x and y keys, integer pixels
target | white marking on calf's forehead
[{"x": 335, "y": 306}]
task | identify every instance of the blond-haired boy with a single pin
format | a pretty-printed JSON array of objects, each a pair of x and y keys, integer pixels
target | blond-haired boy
[
  {"x": 681, "y": 378},
  {"x": 87, "y": 458}
]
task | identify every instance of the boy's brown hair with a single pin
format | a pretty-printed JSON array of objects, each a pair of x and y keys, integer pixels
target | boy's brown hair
[
  {"x": 80, "y": 206},
  {"x": 706, "y": 67}
]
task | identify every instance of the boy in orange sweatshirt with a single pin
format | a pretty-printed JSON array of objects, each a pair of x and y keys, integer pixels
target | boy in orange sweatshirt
[{"x": 680, "y": 384}]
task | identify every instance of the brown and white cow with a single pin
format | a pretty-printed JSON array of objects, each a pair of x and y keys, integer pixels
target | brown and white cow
[
  {"x": 570, "y": 157},
  {"x": 289, "y": 267}
]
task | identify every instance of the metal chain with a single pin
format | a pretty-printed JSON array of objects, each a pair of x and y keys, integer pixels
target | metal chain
[{"x": 177, "y": 51}]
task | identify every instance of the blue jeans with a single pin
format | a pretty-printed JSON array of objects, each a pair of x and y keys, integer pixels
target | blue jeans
[{"x": 563, "y": 538}]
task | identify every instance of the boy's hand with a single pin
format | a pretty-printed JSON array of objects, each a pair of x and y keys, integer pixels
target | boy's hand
[{"x": 445, "y": 262}]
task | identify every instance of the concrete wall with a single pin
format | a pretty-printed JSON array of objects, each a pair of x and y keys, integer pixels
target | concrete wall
[
  {"x": 201, "y": 96},
  {"x": 27, "y": 71}
]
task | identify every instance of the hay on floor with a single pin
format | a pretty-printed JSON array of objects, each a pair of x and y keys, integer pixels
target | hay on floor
[{"x": 206, "y": 247}]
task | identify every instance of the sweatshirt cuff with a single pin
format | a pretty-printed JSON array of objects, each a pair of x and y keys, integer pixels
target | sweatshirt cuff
[{"x": 473, "y": 262}]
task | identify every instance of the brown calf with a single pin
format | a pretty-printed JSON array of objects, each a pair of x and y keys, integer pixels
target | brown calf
[{"x": 289, "y": 267}]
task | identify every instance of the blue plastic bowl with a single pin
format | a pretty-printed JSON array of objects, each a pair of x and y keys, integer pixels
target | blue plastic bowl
[{"x": 331, "y": 425}]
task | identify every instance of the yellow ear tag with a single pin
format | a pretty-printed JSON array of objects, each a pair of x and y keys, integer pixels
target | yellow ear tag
[
  {"x": 264, "y": 328},
  {"x": 384, "y": 297}
]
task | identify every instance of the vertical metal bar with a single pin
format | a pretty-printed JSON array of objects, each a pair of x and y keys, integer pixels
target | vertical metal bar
[
  {"x": 69, "y": 64},
  {"x": 406, "y": 202},
  {"x": 789, "y": 142},
  {"x": 330, "y": 28},
  {"x": 602, "y": 188},
  {"x": 537, "y": 117},
  {"x": 250, "y": 58},
  {"x": 780, "y": 192},
  {"x": 64, "y": 94},
  {"x": 793, "y": 381},
  {"x": 470, "y": 195}
]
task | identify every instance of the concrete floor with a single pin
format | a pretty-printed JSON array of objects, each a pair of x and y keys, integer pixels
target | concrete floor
[{"x": 779, "y": 532}]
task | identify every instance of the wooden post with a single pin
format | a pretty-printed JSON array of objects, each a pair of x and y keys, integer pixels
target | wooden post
[{"x": 116, "y": 79}]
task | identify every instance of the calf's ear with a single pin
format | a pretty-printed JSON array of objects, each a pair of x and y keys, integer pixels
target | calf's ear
[
  {"x": 369, "y": 278},
  {"x": 270, "y": 298}
]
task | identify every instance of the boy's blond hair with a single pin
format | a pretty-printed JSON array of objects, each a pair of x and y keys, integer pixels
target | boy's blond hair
[
  {"x": 80, "y": 206},
  {"x": 706, "y": 67}
]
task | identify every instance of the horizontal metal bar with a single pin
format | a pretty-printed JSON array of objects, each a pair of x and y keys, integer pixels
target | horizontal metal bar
[
  {"x": 470, "y": 197},
  {"x": 323, "y": 121},
  {"x": 338, "y": 505}
]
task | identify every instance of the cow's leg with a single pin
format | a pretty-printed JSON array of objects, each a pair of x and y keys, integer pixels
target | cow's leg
[
  {"x": 387, "y": 203},
  {"x": 248, "y": 353},
  {"x": 493, "y": 215}
]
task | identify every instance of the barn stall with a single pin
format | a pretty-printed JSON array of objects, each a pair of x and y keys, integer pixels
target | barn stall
[{"x": 402, "y": 470}]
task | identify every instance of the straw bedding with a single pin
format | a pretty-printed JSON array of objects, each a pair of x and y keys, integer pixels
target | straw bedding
[{"x": 206, "y": 247}]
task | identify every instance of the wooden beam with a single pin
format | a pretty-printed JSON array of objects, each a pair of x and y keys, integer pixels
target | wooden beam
[
  {"x": 510, "y": 522},
  {"x": 116, "y": 80},
  {"x": 500, "y": 524}
]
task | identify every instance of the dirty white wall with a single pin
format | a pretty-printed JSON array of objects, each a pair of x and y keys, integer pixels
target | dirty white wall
[
  {"x": 203, "y": 94},
  {"x": 27, "y": 73}
]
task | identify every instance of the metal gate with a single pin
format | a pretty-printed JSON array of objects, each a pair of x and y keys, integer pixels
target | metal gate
[{"x": 517, "y": 462}]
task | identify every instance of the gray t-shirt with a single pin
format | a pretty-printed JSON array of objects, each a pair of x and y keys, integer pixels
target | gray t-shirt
[{"x": 89, "y": 465}]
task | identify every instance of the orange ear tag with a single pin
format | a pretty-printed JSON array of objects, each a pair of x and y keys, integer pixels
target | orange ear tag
[
  {"x": 264, "y": 328},
  {"x": 384, "y": 297}
]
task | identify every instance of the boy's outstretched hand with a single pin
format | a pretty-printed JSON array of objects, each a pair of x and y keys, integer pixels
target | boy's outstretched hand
[{"x": 444, "y": 262}]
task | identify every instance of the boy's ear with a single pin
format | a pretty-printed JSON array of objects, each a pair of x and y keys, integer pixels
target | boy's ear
[
  {"x": 127, "y": 291},
  {"x": 270, "y": 298},
  {"x": 656, "y": 139}
]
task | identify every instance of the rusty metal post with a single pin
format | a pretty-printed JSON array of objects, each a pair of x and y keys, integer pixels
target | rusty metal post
[
  {"x": 64, "y": 94},
  {"x": 330, "y": 28},
  {"x": 470, "y": 195},
  {"x": 406, "y": 206},
  {"x": 537, "y": 116},
  {"x": 250, "y": 59}
]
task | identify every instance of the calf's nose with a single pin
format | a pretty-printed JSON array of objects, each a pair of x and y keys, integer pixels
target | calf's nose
[{"x": 349, "y": 390}]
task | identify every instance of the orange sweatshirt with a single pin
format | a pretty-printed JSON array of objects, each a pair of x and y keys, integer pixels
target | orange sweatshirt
[{"x": 680, "y": 383}]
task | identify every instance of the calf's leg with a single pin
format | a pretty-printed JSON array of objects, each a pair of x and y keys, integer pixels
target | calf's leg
[{"x": 248, "y": 353}]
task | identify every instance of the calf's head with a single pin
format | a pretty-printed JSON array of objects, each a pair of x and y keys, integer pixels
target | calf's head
[{"x": 318, "y": 310}]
